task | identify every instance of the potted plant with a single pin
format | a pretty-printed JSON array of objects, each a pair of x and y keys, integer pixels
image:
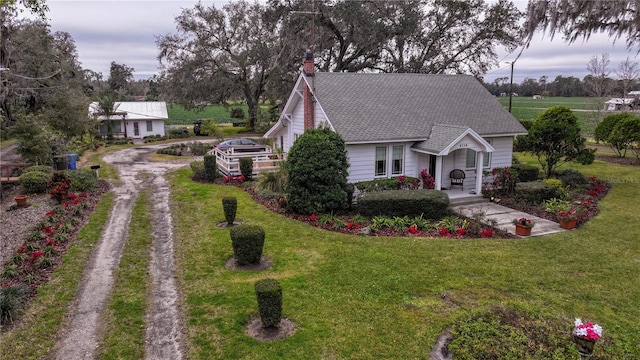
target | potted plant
[
  {"x": 523, "y": 226},
  {"x": 585, "y": 336},
  {"x": 568, "y": 219},
  {"x": 21, "y": 200}
]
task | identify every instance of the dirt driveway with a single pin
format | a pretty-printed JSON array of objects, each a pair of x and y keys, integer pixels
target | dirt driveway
[{"x": 164, "y": 339}]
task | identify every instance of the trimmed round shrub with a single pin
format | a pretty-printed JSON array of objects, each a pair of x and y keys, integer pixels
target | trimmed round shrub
[
  {"x": 83, "y": 180},
  {"x": 198, "y": 171},
  {"x": 269, "y": 294},
  {"x": 35, "y": 182},
  {"x": 526, "y": 173},
  {"x": 210, "y": 168},
  {"x": 535, "y": 192},
  {"x": 246, "y": 167},
  {"x": 230, "y": 206},
  {"x": 317, "y": 167},
  {"x": 247, "y": 242},
  {"x": 572, "y": 178},
  {"x": 430, "y": 204},
  {"x": 42, "y": 168}
]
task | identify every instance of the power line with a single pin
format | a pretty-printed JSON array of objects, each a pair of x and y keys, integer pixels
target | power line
[{"x": 32, "y": 78}]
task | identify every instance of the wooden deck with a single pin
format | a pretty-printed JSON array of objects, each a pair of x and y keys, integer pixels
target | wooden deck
[
  {"x": 10, "y": 172},
  {"x": 263, "y": 161}
]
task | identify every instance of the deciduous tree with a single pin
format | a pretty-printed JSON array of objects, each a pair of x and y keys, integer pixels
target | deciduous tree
[{"x": 555, "y": 138}]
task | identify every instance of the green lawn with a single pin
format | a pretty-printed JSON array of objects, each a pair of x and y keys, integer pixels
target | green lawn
[{"x": 390, "y": 298}]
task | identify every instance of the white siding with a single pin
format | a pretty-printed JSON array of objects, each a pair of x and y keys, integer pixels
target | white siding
[
  {"x": 503, "y": 155},
  {"x": 362, "y": 161}
]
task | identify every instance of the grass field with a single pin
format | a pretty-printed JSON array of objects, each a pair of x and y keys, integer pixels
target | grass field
[
  {"x": 587, "y": 109},
  {"x": 179, "y": 116}
]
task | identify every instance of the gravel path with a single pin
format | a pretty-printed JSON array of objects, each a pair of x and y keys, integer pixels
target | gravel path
[{"x": 164, "y": 333}]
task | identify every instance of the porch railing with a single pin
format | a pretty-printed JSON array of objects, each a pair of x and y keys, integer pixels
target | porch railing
[{"x": 228, "y": 161}]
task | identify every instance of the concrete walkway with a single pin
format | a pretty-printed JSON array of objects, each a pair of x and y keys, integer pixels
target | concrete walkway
[{"x": 504, "y": 217}]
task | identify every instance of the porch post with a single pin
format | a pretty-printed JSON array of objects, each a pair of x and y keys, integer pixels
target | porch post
[
  {"x": 479, "y": 162},
  {"x": 438, "y": 175}
]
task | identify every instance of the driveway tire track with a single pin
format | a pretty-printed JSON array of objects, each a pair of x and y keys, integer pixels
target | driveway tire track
[{"x": 80, "y": 338}]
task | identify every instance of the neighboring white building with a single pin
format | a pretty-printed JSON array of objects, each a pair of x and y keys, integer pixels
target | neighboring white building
[
  {"x": 398, "y": 124},
  {"x": 617, "y": 104},
  {"x": 133, "y": 119}
]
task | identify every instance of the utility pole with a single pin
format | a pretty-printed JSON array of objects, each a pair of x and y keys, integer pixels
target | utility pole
[{"x": 511, "y": 86}]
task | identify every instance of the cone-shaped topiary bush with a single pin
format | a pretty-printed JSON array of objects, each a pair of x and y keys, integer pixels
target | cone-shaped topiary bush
[
  {"x": 247, "y": 242},
  {"x": 269, "y": 294},
  {"x": 210, "y": 168},
  {"x": 230, "y": 206}
]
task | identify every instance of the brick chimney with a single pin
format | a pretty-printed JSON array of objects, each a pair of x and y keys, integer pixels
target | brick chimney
[{"x": 309, "y": 103}]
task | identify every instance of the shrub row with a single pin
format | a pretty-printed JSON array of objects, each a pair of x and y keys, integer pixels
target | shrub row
[
  {"x": 169, "y": 151},
  {"x": 431, "y": 204},
  {"x": 385, "y": 184},
  {"x": 37, "y": 182},
  {"x": 535, "y": 192}
]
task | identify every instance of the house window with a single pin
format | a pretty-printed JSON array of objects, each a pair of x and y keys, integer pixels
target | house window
[
  {"x": 116, "y": 126},
  {"x": 149, "y": 125},
  {"x": 381, "y": 161},
  {"x": 471, "y": 158},
  {"x": 397, "y": 160}
]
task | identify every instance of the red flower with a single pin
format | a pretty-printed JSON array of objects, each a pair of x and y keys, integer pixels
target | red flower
[
  {"x": 413, "y": 229},
  {"x": 240, "y": 178},
  {"x": 73, "y": 196},
  {"x": 76, "y": 201},
  {"x": 225, "y": 179},
  {"x": 22, "y": 249},
  {"x": 51, "y": 242},
  {"x": 84, "y": 194},
  {"x": 50, "y": 213},
  {"x": 35, "y": 255},
  {"x": 313, "y": 217},
  {"x": 351, "y": 225},
  {"x": 443, "y": 231},
  {"x": 461, "y": 231},
  {"x": 65, "y": 204},
  {"x": 486, "y": 232},
  {"x": 593, "y": 193}
]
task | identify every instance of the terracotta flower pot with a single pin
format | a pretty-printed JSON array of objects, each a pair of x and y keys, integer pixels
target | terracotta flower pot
[
  {"x": 568, "y": 224},
  {"x": 523, "y": 230},
  {"x": 21, "y": 200}
]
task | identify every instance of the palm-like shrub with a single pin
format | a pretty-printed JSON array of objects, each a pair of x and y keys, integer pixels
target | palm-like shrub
[
  {"x": 230, "y": 206},
  {"x": 10, "y": 298},
  {"x": 269, "y": 294},
  {"x": 247, "y": 242}
]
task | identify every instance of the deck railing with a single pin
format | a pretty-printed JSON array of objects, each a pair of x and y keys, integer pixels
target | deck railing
[{"x": 228, "y": 161}]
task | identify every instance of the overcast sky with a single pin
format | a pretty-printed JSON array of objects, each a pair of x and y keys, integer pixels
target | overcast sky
[{"x": 125, "y": 31}]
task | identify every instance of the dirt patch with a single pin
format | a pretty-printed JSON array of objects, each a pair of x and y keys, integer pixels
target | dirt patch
[
  {"x": 283, "y": 330},
  {"x": 264, "y": 264},
  {"x": 618, "y": 160}
]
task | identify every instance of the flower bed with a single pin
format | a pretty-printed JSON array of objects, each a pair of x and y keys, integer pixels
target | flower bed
[{"x": 40, "y": 254}]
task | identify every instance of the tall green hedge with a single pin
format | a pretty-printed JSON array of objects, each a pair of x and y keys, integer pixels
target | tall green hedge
[
  {"x": 230, "y": 206},
  {"x": 210, "y": 168},
  {"x": 431, "y": 204},
  {"x": 526, "y": 172},
  {"x": 317, "y": 167}
]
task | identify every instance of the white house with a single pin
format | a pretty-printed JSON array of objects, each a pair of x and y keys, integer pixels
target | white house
[
  {"x": 135, "y": 119},
  {"x": 399, "y": 124}
]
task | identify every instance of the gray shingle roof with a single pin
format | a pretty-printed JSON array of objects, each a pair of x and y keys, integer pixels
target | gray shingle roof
[
  {"x": 388, "y": 107},
  {"x": 441, "y": 137}
]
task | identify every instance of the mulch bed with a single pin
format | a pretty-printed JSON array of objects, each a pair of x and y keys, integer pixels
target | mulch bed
[{"x": 32, "y": 276}]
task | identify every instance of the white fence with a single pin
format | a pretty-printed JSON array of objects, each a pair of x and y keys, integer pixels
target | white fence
[{"x": 228, "y": 161}]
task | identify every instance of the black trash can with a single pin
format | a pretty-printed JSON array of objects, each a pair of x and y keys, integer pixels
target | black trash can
[{"x": 60, "y": 162}]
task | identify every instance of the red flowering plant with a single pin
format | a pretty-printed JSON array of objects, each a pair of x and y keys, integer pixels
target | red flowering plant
[
  {"x": 588, "y": 331},
  {"x": 428, "y": 182},
  {"x": 524, "y": 222}
]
